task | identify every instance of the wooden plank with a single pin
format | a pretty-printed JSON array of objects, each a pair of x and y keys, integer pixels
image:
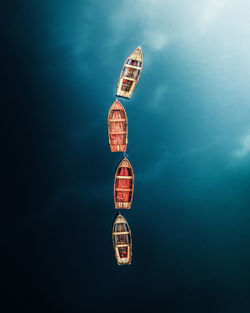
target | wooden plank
[
  {"x": 117, "y": 120},
  {"x": 118, "y": 132},
  {"x": 123, "y": 205},
  {"x": 128, "y": 78},
  {"x": 122, "y": 245},
  {"x": 125, "y": 177},
  {"x": 123, "y": 189},
  {"x": 122, "y": 233},
  {"x": 132, "y": 66}
]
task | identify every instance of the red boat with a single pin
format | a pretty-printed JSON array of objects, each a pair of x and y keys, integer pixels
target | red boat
[
  {"x": 117, "y": 127},
  {"x": 124, "y": 185}
]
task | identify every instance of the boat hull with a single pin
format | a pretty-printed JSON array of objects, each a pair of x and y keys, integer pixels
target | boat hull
[
  {"x": 117, "y": 127},
  {"x": 130, "y": 74},
  {"x": 124, "y": 185},
  {"x": 122, "y": 241}
]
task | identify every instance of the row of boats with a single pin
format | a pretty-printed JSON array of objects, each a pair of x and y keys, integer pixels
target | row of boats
[{"x": 118, "y": 140}]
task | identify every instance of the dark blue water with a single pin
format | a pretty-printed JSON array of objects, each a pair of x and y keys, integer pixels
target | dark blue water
[{"x": 189, "y": 145}]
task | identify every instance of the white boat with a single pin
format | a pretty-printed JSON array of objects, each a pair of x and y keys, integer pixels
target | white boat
[
  {"x": 122, "y": 241},
  {"x": 130, "y": 74}
]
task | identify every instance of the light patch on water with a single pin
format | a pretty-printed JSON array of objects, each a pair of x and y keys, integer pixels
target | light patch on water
[
  {"x": 157, "y": 40},
  {"x": 157, "y": 101},
  {"x": 244, "y": 149},
  {"x": 209, "y": 14}
]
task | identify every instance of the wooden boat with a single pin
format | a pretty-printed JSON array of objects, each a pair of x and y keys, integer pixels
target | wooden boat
[
  {"x": 130, "y": 74},
  {"x": 124, "y": 185},
  {"x": 122, "y": 241},
  {"x": 117, "y": 127}
]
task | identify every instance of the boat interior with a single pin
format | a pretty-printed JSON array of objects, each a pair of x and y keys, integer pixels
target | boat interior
[
  {"x": 123, "y": 252},
  {"x": 134, "y": 63},
  {"x": 122, "y": 241},
  {"x": 117, "y": 114},
  {"x": 126, "y": 85},
  {"x": 118, "y": 127},
  {"x": 121, "y": 227},
  {"x": 123, "y": 186}
]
